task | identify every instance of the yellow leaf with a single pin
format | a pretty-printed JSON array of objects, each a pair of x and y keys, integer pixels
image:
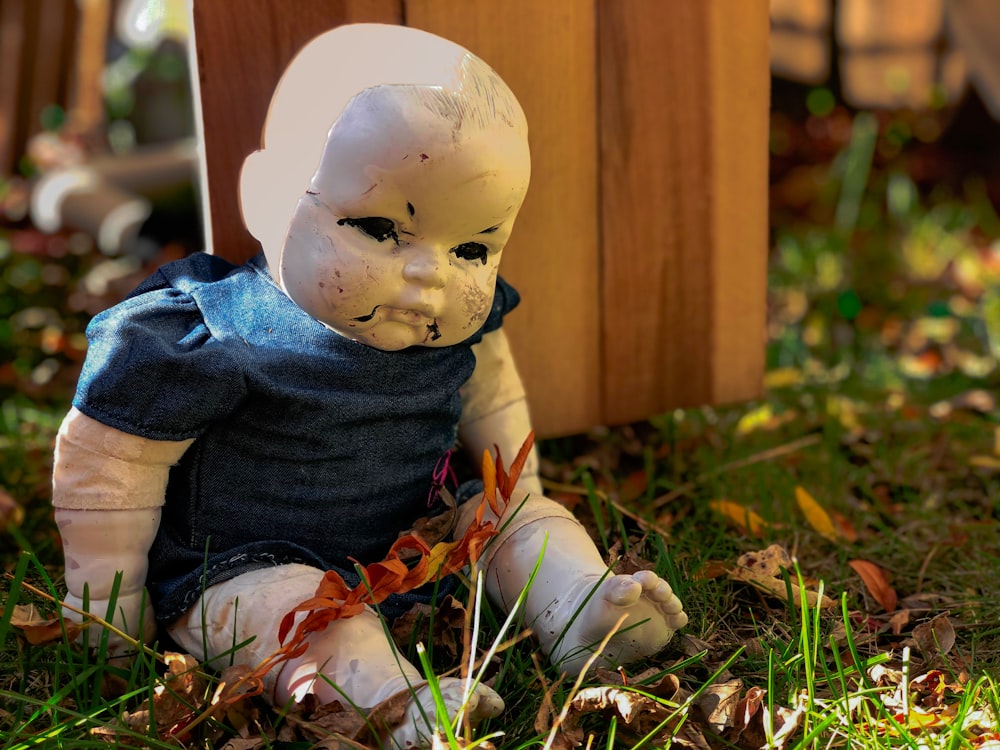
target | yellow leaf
[
  {"x": 783, "y": 377},
  {"x": 817, "y": 517},
  {"x": 985, "y": 462},
  {"x": 745, "y": 518},
  {"x": 755, "y": 419},
  {"x": 437, "y": 557}
]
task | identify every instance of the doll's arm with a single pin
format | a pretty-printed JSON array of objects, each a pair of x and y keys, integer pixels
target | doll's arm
[
  {"x": 574, "y": 600},
  {"x": 108, "y": 487},
  {"x": 495, "y": 409}
]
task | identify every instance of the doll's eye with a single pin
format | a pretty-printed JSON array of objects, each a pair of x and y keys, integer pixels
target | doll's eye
[
  {"x": 378, "y": 228},
  {"x": 471, "y": 251}
]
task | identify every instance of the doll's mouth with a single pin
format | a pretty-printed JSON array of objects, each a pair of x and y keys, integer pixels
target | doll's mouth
[
  {"x": 369, "y": 316},
  {"x": 400, "y": 315}
]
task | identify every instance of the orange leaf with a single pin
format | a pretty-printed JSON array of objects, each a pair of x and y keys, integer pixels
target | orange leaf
[
  {"x": 845, "y": 529},
  {"x": 745, "y": 518},
  {"x": 817, "y": 517},
  {"x": 876, "y": 582},
  {"x": 519, "y": 461},
  {"x": 490, "y": 482}
]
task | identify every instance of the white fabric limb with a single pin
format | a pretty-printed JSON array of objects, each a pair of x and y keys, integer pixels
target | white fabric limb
[
  {"x": 98, "y": 545},
  {"x": 574, "y": 601},
  {"x": 352, "y": 657},
  {"x": 99, "y": 467},
  {"x": 495, "y": 410}
]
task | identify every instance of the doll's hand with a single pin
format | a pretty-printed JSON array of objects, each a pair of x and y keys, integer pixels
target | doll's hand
[{"x": 653, "y": 614}]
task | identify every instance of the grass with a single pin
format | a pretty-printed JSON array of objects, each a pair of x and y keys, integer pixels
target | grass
[{"x": 880, "y": 405}]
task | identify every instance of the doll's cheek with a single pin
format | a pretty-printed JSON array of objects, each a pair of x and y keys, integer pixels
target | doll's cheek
[{"x": 475, "y": 304}]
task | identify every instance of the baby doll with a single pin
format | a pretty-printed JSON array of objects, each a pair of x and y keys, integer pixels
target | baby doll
[{"x": 239, "y": 430}]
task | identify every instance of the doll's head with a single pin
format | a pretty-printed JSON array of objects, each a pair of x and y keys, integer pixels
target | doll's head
[{"x": 394, "y": 164}]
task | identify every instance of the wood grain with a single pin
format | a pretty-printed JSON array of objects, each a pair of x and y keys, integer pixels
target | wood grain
[
  {"x": 13, "y": 21},
  {"x": 683, "y": 113},
  {"x": 241, "y": 54},
  {"x": 545, "y": 52}
]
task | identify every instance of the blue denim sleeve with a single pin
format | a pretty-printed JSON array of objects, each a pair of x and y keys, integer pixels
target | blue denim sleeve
[
  {"x": 505, "y": 299},
  {"x": 154, "y": 369}
]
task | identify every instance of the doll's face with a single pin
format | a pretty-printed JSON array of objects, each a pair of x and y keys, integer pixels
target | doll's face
[{"x": 398, "y": 239}]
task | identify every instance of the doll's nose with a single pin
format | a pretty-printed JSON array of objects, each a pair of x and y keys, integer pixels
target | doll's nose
[{"x": 426, "y": 266}]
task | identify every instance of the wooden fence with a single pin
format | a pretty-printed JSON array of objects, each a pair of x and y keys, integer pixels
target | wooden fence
[{"x": 640, "y": 251}]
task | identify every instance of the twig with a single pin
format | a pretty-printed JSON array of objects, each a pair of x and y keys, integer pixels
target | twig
[{"x": 767, "y": 455}]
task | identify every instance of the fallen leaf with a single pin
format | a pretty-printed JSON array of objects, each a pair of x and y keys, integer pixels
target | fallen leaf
[
  {"x": 898, "y": 621},
  {"x": 935, "y": 637},
  {"x": 718, "y": 703},
  {"x": 763, "y": 571},
  {"x": 845, "y": 529},
  {"x": 448, "y": 619},
  {"x": 11, "y": 513},
  {"x": 174, "y": 701},
  {"x": 817, "y": 517},
  {"x": 433, "y": 529},
  {"x": 656, "y": 720},
  {"x": 39, "y": 630},
  {"x": 876, "y": 582},
  {"x": 745, "y": 518},
  {"x": 985, "y": 462},
  {"x": 710, "y": 569}
]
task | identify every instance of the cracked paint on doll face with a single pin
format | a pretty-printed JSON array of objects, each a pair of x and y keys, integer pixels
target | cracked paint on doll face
[{"x": 397, "y": 241}]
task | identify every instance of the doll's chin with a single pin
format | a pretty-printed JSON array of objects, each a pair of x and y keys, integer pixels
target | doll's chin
[{"x": 391, "y": 336}]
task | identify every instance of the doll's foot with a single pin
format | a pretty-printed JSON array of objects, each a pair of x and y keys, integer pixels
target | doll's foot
[
  {"x": 653, "y": 614},
  {"x": 420, "y": 722}
]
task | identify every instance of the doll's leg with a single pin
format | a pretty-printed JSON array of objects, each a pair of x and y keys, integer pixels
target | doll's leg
[
  {"x": 352, "y": 660},
  {"x": 574, "y": 601}
]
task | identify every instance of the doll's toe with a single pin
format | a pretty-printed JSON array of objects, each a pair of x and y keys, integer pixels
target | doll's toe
[
  {"x": 484, "y": 704},
  {"x": 623, "y": 591},
  {"x": 676, "y": 620}
]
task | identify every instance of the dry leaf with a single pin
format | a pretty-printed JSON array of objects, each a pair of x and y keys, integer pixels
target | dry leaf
[
  {"x": 935, "y": 637},
  {"x": 817, "y": 517},
  {"x": 845, "y": 529},
  {"x": 985, "y": 462},
  {"x": 11, "y": 514},
  {"x": 763, "y": 571},
  {"x": 40, "y": 630},
  {"x": 173, "y": 700},
  {"x": 898, "y": 621},
  {"x": 752, "y": 722},
  {"x": 745, "y": 518},
  {"x": 433, "y": 529},
  {"x": 448, "y": 618},
  {"x": 718, "y": 703},
  {"x": 876, "y": 582}
]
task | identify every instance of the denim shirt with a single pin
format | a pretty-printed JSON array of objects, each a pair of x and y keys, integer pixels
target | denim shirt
[{"x": 308, "y": 447}]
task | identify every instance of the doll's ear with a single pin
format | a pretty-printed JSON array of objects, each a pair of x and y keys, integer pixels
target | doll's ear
[{"x": 267, "y": 201}]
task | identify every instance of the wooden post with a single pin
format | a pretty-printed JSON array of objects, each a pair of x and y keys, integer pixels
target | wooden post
[
  {"x": 684, "y": 108},
  {"x": 545, "y": 52},
  {"x": 641, "y": 248}
]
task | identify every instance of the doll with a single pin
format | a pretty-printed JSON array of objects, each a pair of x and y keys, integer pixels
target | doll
[{"x": 238, "y": 430}]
